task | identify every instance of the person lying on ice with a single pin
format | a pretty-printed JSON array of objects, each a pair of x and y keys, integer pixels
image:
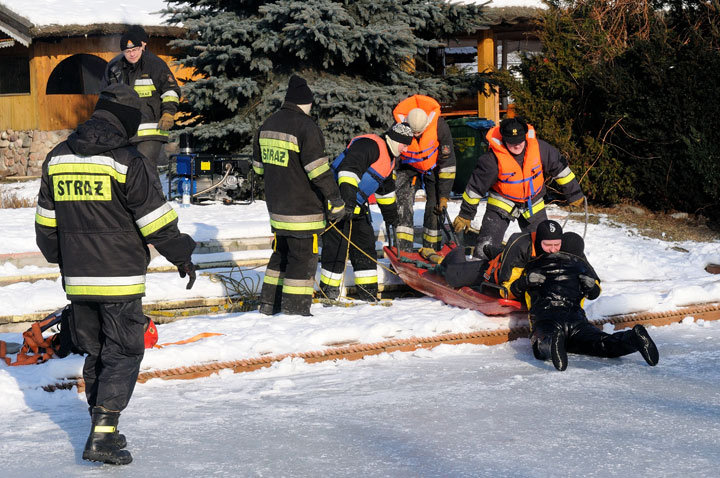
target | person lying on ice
[
  {"x": 363, "y": 169},
  {"x": 507, "y": 263},
  {"x": 554, "y": 286}
]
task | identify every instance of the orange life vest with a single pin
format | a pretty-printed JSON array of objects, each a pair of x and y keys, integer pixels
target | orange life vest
[
  {"x": 422, "y": 154},
  {"x": 514, "y": 183}
]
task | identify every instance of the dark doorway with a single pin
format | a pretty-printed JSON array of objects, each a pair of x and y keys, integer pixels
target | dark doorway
[{"x": 79, "y": 74}]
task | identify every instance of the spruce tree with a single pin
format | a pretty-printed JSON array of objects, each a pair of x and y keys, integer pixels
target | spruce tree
[{"x": 359, "y": 57}]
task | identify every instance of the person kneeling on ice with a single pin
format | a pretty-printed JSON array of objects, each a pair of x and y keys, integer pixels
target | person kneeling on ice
[
  {"x": 554, "y": 286},
  {"x": 364, "y": 168}
]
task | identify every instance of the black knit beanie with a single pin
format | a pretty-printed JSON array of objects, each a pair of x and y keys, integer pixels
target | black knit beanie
[
  {"x": 400, "y": 132},
  {"x": 133, "y": 37},
  {"x": 546, "y": 231},
  {"x": 124, "y": 103},
  {"x": 298, "y": 91}
]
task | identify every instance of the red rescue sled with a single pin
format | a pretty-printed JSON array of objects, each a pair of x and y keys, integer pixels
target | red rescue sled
[{"x": 418, "y": 273}]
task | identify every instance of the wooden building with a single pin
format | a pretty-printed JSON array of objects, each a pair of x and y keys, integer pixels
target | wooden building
[
  {"x": 50, "y": 74},
  {"x": 506, "y": 34}
]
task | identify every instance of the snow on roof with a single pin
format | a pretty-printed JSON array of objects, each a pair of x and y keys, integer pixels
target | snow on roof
[{"x": 88, "y": 12}]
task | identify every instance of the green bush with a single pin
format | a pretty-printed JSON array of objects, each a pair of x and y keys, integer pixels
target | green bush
[{"x": 628, "y": 90}]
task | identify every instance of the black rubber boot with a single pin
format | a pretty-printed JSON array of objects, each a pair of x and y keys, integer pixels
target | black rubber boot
[
  {"x": 558, "y": 353},
  {"x": 269, "y": 309},
  {"x": 331, "y": 292},
  {"x": 645, "y": 345},
  {"x": 118, "y": 438},
  {"x": 101, "y": 444},
  {"x": 367, "y": 292}
]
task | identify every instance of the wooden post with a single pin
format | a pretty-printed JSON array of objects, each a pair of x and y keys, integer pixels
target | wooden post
[{"x": 487, "y": 105}]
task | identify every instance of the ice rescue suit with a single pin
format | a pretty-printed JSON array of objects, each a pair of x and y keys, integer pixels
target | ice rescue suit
[
  {"x": 100, "y": 205},
  {"x": 515, "y": 184},
  {"x": 156, "y": 86},
  {"x": 429, "y": 164},
  {"x": 556, "y": 305},
  {"x": 289, "y": 151},
  {"x": 363, "y": 169}
]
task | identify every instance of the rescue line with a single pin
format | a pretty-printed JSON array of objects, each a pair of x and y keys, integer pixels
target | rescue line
[{"x": 358, "y": 351}]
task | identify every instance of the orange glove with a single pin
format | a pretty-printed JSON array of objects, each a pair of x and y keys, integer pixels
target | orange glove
[
  {"x": 442, "y": 204},
  {"x": 461, "y": 224},
  {"x": 166, "y": 122}
]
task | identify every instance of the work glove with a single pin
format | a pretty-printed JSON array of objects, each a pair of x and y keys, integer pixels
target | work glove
[
  {"x": 336, "y": 210},
  {"x": 441, "y": 204},
  {"x": 187, "y": 269},
  {"x": 578, "y": 203},
  {"x": 461, "y": 224},
  {"x": 535, "y": 278},
  {"x": 586, "y": 282},
  {"x": 166, "y": 122}
]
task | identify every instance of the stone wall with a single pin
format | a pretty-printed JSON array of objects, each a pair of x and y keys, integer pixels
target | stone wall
[{"x": 23, "y": 152}]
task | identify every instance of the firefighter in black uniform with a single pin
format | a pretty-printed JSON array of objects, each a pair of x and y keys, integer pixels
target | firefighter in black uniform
[
  {"x": 554, "y": 286},
  {"x": 100, "y": 205},
  {"x": 513, "y": 171},
  {"x": 363, "y": 169},
  {"x": 155, "y": 85},
  {"x": 300, "y": 191},
  {"x": 429, "y": 164}
]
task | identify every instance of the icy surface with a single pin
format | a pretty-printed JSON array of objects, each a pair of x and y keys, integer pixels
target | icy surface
[{"x": 460, "y": 411}]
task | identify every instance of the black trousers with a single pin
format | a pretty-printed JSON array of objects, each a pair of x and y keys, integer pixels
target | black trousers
[
  {"x": 405, "y": 193},
  {"x": 112, "y": 336},
  {"x": 581, "y": 337},
  {"x": 459, "y": 272},
  {"x": 494, "y": 224},
  {"x": 289, "y": 276},
  {"x": 335, "y": 250}
]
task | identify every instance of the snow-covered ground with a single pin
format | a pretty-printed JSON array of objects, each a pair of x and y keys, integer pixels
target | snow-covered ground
[{"x": 454, "y": 411}]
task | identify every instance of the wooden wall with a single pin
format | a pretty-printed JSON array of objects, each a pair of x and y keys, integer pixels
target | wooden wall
[
  {"x": 52, "y": 112},
  {"x": 17, "y": 111}
]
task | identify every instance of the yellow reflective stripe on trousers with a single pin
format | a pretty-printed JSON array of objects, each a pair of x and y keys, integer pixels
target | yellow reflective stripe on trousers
[
  {"x": 366, "y": 277},
  {"x": 430, "y": 238},
  {"x": 297, "y": 290},
  {"x": 330, "y": 278},
  {"x": 272, "y": 280},
  {"x": 442, "y": 175},
  {"x": 298, "y": 286}
]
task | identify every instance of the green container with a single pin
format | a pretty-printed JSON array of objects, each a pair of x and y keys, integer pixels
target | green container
[{"x": 469, "y": 141}]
